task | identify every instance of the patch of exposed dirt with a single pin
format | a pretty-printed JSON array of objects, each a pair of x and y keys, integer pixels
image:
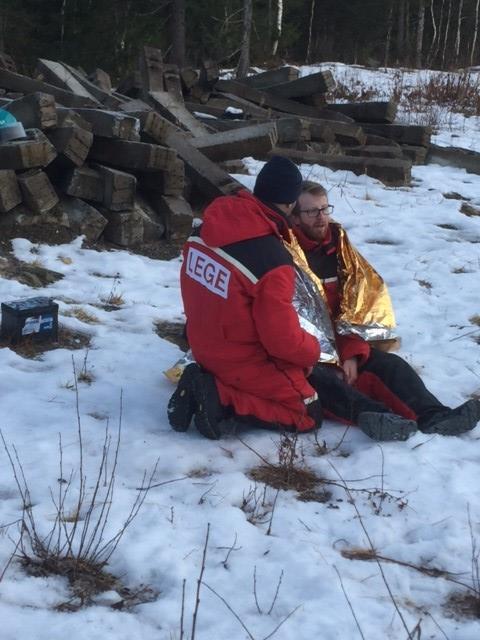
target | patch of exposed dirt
[
  {"x": 173, "y": 332},
  {"x": 33, "y": 274},
  {"x": 469, "y": 210},
  {"x": 453, "y": 195},
  {"x": 67, "y": 339},
  {"x": 448, "y": 226},
  {"x": 464, "y": 605},
  {"x": 383, "y": 241}
]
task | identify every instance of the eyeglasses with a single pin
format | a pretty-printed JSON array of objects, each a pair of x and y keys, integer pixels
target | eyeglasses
[{"x": 315, "y": 212}]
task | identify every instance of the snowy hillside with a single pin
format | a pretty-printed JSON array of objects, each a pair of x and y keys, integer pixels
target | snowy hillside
[{"x": 418, "y": 500}]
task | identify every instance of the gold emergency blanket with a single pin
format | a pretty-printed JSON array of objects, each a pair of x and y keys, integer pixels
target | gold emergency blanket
[
  {"x": 366, "y": 308},
  {"x": 310, "y": 303}
]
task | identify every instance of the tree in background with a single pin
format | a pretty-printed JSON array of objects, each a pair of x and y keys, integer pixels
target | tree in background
[
  {"x": 244, "y": 60},
  {"x": 86, "y": 33}
]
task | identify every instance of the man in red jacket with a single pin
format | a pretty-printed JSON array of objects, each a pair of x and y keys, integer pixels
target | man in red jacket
[
  {"x": 237, "y": 283},
  {"x": 253, "y": 358},
  {"x": 382, "y": 376}
]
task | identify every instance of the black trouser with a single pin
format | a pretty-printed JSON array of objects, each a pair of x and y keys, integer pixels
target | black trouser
[{"x": 385, "y": 383}]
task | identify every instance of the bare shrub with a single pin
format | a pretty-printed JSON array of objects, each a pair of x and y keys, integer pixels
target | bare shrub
[
  {"x": 77, "y": 545},
  {"x": 290, "y": 472}
]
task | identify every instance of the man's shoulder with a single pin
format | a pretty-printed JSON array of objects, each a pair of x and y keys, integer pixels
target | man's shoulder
[{"x": 260, "y": 255}]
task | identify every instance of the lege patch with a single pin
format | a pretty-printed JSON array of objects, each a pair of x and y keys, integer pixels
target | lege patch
[{"x": 208, "y": 272}]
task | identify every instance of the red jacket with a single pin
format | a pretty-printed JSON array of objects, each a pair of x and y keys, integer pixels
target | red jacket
[
  {"x": 237, "y": 282},
  {"x": 323, "y": 261}
]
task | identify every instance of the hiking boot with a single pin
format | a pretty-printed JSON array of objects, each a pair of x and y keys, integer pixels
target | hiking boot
[
  {"x": 383, "y": 427},
  {"x": 208, "y": 410},
  {"x": 181, "y": 405},
  {"x": 452, "y": 422}
]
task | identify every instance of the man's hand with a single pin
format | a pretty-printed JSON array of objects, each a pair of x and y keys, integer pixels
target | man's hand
[{"x": 350, "y": 370}]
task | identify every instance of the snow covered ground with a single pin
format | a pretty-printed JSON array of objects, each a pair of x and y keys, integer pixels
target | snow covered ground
[{"x": 429, "y": 253}]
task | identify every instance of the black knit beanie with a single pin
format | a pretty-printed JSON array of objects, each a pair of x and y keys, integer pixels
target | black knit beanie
[{"x": 278, "y": 182}]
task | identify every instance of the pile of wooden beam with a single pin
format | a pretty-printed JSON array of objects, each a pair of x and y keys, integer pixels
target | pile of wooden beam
[{"x": 131, "y": 163}]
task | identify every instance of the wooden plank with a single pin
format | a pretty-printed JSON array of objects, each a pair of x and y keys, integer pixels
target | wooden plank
[
  {"x": 416, "y": 155},
  {"x": 171, "y": 79},
  {"x": 10, "y": 194},
  {"x": 205, "y": 174},
  {"x": 150, "y": 65},
  {"x": 233, "y": 104},
  {"x": 325, "y": 113},
  {"x": 57, "y": 74},
  {"x": 131, "y": 86},
  {"x": 402, "y": 133},
  {"x": 108, "y": 99},
  {"x": 72, "y": 144},
  {"x": 68, "y": 117},
  {"x": 176, "y": 215},
  {"x": 454, "y": 157},
  {"x": 380, "y": 112},
  {"x": 35, "y": 111},
  {"x": 111, "y": 124},
  {"x": 189, "y": 77},
  {"x": 34, "y": 151},
  {"x": 153, "y": 126},
  {"x": 132, "y": 156},
  {"x": 289, "y": 129},
  {"x": 16, "y": 82},
  {"x": 380, "y": 140},
  {"x": 169, "y": 183},
  {"x": 348, "y": 134},
  {"x": 271, "y": 77},
  {"x": 225, "y": 124},
  {"x": 119, "y": 188},
  {"x": 171, "y": 108},
  {"x": 320, "y": 82},
  {"x": 209, "y": 73},
  {"x": 390, "y": 171},
  {"x": 85, "y": 183},
  {"x": 37, "y": 191},
  {"x": 101, "y": 79},
  {"x": 373, "y": 151},
  {"x": 255, "y": 141},
  {"x": 266, "y": 98},
  {"x": 124, "y": 228}
]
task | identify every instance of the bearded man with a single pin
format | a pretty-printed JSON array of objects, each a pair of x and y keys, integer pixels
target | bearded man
[{"x": 360, "y": 309}]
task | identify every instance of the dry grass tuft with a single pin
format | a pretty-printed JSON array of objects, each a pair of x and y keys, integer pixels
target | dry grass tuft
[
  {"x": 297, "y": 479},
  {"x": 475, "y": 319},
  {"x": 82, "y": 315}
]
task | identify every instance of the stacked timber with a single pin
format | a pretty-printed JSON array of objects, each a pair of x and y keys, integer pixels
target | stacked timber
[{"x": 132, "y": 164}]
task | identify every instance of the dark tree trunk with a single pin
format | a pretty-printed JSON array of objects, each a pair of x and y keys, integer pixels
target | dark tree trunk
[
  {"x": 388, "y": 38},
  {"x": 244, "y": 61},
  {"x": 475, "y": 32},
  {"x": 310, "y": 29},
  {"x": 401, "y": 31},
  {"x": 459, "y": 30},
  {"x": 178, "y": 33},
  {"x": 420, "y": 29},
  {"x": 447, "y": 29}
]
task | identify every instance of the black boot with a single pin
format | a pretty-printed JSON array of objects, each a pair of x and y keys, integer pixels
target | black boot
[
  {"x": 452, "y": 422},
  {"x": 383, "y": 427},
  {"x": 208, "y": 410},
  {"x": 182, "y": 404}
]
